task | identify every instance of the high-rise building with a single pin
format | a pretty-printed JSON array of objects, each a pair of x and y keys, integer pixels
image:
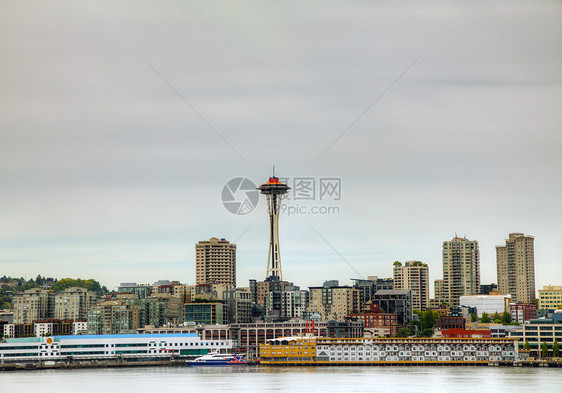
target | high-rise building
[
  {"x": 413, "y": 275},
  {"x": 461, "y": 269},
  {"x": 215, "y": 262},
  {"x": 516, "y": 268},
  {"x": 33, "y": 305},
  {"x": 74, "y": 303}
]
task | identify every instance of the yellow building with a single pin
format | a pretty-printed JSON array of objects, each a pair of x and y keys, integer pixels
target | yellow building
[
  {"x": 550, "y": 297},
  {"x": 288, "y": 349}
]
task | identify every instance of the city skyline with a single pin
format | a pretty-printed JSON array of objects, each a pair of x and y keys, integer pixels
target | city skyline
[{"x": 120, "y": 125}]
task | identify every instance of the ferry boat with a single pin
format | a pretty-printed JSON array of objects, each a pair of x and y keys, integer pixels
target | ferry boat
[
  {"x": 108, "y": 347},
  {"x": 218, "y": 359}
]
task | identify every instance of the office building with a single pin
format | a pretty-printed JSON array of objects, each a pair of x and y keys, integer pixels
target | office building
[
  {"x": 539, "y": 331},
  {"x": 550, "y": 297},
  {"x": 516, "y": 268},
  {"x": 215, "y": 262},
  {"x": 461, "y": 269},
  {"x": 413, "y": 275}
]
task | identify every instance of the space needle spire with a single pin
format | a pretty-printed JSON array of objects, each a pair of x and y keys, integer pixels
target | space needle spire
[{"x": 274, "y": 191}]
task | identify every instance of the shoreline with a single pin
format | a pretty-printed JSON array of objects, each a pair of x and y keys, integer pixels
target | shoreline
[{"x": 181, "y": 363}]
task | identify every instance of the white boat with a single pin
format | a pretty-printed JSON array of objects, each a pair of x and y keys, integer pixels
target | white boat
[{"x": 218, "y": 359}]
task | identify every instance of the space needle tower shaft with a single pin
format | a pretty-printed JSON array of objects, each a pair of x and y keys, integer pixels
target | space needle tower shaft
[{"x": 274, "y": 191}]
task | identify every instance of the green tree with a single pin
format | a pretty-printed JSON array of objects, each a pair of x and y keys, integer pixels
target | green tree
[
  {"x": 474, "y": 318},
  {"x": 544, "y": 350},
  {"x": 555, "y": 349},
  {"x": 404, "y": 332},
  {"x": 90, "y": 285},
  {"x": 497, "y": 316},
  {"x": 485, "y": 318},
  {"x": 527, "y": 346},
  {"x": 428, "y": 319},
  {"x": 506, "y": 318},
  {"x": 397, "y": 263}
]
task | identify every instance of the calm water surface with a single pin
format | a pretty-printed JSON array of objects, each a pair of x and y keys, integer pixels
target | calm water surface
[{"x": 266, "y": 379}]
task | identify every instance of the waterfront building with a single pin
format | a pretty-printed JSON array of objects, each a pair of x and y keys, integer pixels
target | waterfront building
[
  {"x": 373, "y": 351},
  {"x": 523, "y": 312},
  {"x": 461, "y": 269},
  {"x": 413, "y": 275},
  {"x": 550, "y": 297},
  {"x": 108, "y": 347},
  {"x": 397, "y": 301},
  {"x": 73, "y": 303},
  {"x": 333, "y": 302},
  {"x": 32, "y": 305},
  {"x": 539, "y": 331},
  {"x": 215, "y": 262},
  {"x": 516, "y": 268},
  {"x": 489, "y": 304}
]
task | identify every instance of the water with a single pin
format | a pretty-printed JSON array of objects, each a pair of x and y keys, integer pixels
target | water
[{"x": 286, "y": 379}]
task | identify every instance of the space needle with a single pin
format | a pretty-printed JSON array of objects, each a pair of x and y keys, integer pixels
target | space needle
[{"x": 274, "y": 191}]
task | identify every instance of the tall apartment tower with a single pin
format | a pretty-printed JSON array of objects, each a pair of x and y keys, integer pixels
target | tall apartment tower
[
  {"x": 215, "y": 262},
  {"x": 516, "y": 268},
  {"x": 414, "y": 275},
  {"x": 461, "y": 269}
]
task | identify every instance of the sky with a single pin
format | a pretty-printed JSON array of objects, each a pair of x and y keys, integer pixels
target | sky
[{"x": 122, "y": 121}]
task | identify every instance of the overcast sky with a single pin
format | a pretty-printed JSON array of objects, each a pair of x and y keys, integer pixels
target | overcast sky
[{"x": 121, "y": 121}]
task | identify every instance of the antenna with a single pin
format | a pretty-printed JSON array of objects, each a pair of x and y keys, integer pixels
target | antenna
[{"x": 273, "y": 170}]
